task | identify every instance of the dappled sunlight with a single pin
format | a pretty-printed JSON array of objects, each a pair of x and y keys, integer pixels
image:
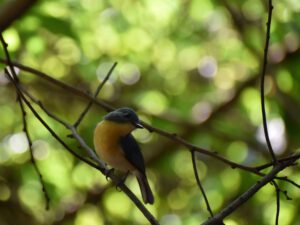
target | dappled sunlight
[{"x": 190, "y": 69}]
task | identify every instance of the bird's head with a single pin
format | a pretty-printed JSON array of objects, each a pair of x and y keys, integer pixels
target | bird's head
[{"x": 124, "y": 115}]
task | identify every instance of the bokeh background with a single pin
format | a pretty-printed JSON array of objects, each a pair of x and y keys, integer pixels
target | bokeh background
[{"x": 189, "y": 67}]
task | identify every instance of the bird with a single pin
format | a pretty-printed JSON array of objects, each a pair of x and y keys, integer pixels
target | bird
[{"x": 116, "y": 146}]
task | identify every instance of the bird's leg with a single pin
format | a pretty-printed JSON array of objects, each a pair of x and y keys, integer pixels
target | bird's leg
[
  {"x": 125, "y": 177},
  {"x": 122, "y": 181},
  {"x": 109, "y": 172}
]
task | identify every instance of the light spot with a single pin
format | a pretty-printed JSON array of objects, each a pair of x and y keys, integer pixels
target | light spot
[
  {"x": 18, "y": 143},
  {"x": 252, "y": 11},
  {"x": 230, "y": 222},
  {"x": 68, "y": 51},
  {"x": 55, "y": 65},
  {"x": 89, "y": 214},
  {"x": 5, "y": 192},
  {"x": 170, "y": 219},
  {"x": 129, "y": 74},
  {"x": 201, "y": 111},
  {"x": 12, "y": 38},
  {"x": 208, "y": 67},
  {"x": 40, "y": 149},
  {"x": 102, "y": 71},
  {"x": 276, "y": 53},
  {"x": 276, "y": 130},
  {"x": 3, "y": 78},
  {"x": 153, "y": 101},
  {"x": 285, "y": 80},
  {"x": 237, "y": 151},
  {"x": 291, "y": 42}
]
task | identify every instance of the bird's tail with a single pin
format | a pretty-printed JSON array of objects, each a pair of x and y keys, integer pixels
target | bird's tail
[{"x": 147, "y": 194}]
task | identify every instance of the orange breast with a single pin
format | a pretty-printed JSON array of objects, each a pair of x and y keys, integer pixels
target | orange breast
[{"x": 106, "y": 141}]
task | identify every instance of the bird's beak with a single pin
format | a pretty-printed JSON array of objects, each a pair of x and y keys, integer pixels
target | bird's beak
[{"x": 138, "y": 125}]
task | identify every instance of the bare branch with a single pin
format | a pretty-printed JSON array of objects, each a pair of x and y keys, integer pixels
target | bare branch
[
  {"x": 262, "y": 86},
  {"x": 12, "y": 10},
  {"x": 59, "y": 84},
  {"x": 171, "y": 136},
  {"x": 84, "y": 112},
  {"x": 277, "y": 189},
  {"x": 25, "y": 129},
  {"x": 231, "y": 207},
  {"x": 200, "y": 184},
  {"x": 123, "y": 187},
  {"x": 98, "y": 166}
]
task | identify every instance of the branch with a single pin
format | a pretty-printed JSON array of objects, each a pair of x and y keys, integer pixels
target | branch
[
  {"x": 200, "y": 184},
  {"x": 251, "y": 191},
  {"x": 25, "y": 129},
  {"x": 59, "y": 84},
  {"x": 262, "y": 86},
  {"x": 12, "y": 10},
  {"x": 84, "y": 112},
  {"x": 98, "y": 166},
  {"x": 277, "y": 189},
  {"x": 171, "y": 136}
]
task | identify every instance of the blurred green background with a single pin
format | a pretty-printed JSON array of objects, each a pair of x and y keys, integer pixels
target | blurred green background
[{"x": 189, "y": 67}]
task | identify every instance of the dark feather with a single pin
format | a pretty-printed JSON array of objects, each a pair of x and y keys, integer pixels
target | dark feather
[{"x": 133, "y": 153}]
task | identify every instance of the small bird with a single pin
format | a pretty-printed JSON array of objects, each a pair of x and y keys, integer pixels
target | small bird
[{"x": 115, "y": 145}]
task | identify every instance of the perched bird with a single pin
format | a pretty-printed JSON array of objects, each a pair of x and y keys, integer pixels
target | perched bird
[{"x": 115, "y": 145}]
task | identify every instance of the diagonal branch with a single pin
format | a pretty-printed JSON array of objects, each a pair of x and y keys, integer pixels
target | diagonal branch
[
  {"x": 84, "y": 112},
  {"x": 168, "y": 135},
  {"x": 98, "y": 166},
  {"x": 200, "y": 184},
  {"x": 59, "y": 84},
  {"x": 25, "y": 129},
  {"x": 231, "y": 207},
  {"x": 171, "y": 136}
]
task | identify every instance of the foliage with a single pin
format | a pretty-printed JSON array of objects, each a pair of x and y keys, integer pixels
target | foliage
[{"x": 187, "y": 67}]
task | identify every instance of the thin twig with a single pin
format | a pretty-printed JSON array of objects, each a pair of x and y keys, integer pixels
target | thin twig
[
  {"x": 200, "y": 184},
  {"x": 60, "y": 84},
  {"x": 9, "y": 63},
  {"x": 91, "y": 153},
  {"x": 277, "y": 189},
  {"x": 25, "y": 129},
  {"x": 123, "y": 187},
  {"x": 84, "y": 112},
  {"x": 231, "y": 207},
  {"x": 262, "y": 84},
  {"x": 262, "y": 167},
  {"x": 171, "y": 136},
  {"x": 98, "y": 166},
  {"x": 289, "y": 181}
]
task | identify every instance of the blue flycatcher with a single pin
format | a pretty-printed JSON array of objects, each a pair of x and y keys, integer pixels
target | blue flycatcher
[{"x": 115, "y": 145}]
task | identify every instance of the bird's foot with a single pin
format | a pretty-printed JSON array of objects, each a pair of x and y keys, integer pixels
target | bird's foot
[{"x": 109, "y": 172}]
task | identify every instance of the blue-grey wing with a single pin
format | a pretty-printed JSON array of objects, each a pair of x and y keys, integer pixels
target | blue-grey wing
[{"x": 132, "y": 152}]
